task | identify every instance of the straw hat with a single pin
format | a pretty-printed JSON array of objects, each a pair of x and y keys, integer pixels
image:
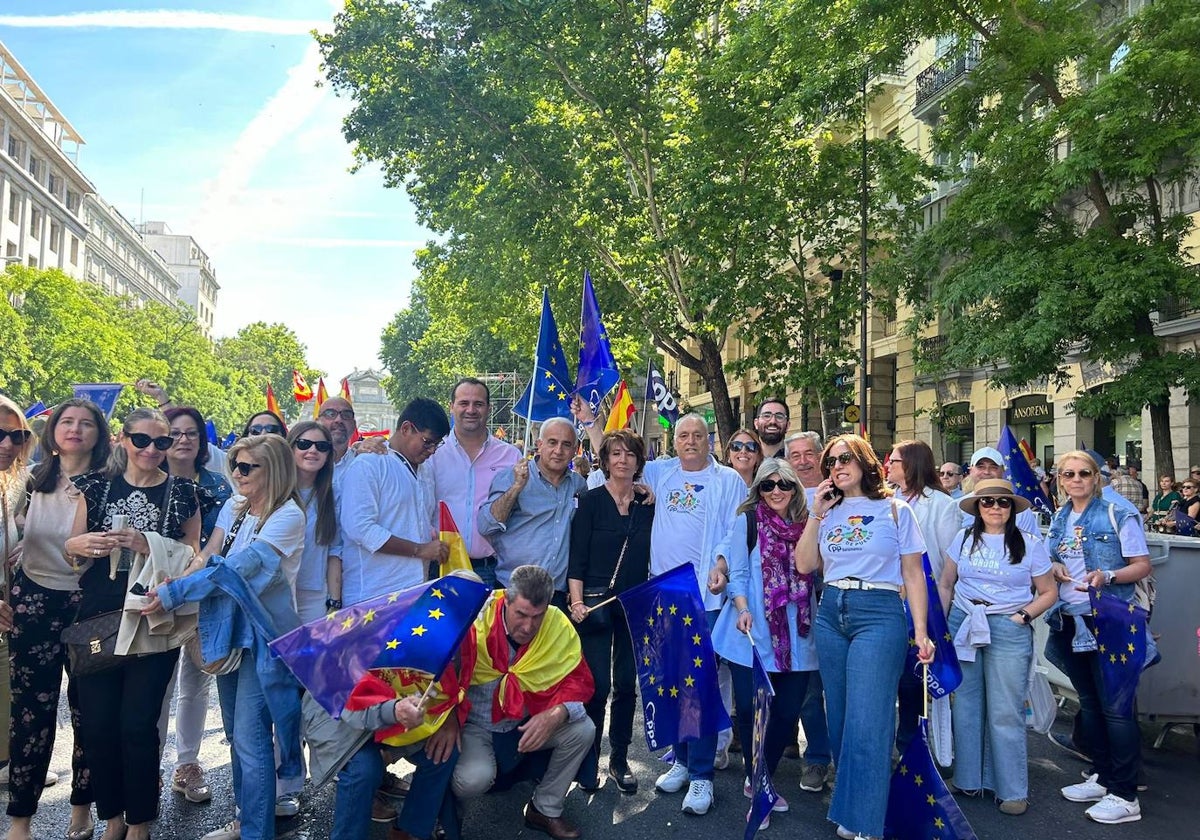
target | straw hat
[{"x": 992, "y": 487}]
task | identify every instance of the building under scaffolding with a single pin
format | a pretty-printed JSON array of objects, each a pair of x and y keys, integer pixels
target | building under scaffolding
[{"x": 505, "y": 388}]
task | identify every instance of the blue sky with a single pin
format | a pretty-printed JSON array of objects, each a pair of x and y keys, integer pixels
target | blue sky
[{"x": 214, "y": 119}]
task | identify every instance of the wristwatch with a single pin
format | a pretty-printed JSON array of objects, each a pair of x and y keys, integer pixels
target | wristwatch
[
  {"x": 1026, "y": 618},
  {"x": 1109, "y": 574},
  {"x": 333, "y": 603}
]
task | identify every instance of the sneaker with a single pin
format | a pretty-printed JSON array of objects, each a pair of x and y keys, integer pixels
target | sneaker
[
  {"x": 287, "y": 805},
  {"x": 1065, "y": 742},
  {"x": 721, "y": 760},
  {"x": 846, "y": 834},
  {"x": 1014, "y": 807},
  {"x": 1142, "y": 787},
  {"x": 699, "y": 797},
  {"x": 189, "y": 780},
  {"x": 813, "y": 777},
  {"x": 232, "y": 830},
  {"x": 673, "y": 780},
  {"x": 382, "y": 809},
  {"x": 1089, "y": 791},
  {"x": 1112, "y": 810}
]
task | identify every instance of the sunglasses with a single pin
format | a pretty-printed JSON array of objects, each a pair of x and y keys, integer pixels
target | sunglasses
[
  {"x": 141, "y": 441},
  {"x": 1188, "y": 486},
  {"x": 1084, "y": 473},
  {"x": 304, "y": 444},
  {"x": 185, "y": 435},
  {"x": 244, "y": 468},
  {"x": 945, "y": 474},
  {"x": 739, "y": 445},
  {"x": 333, "y": 414},
  {"x": 18, "y": 436},
  {"x": 769, "y": 485},
  {"x": 268, "y": 429},
  {"x": 844, "y": 458},
  {"x": 1002, "y": 502}
]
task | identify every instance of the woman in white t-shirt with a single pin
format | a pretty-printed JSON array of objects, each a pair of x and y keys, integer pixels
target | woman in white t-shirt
[
  {"x": 990, "y": 573},
  {"x": 318, "y": 579},
  {"x": 868, "y": 545}
]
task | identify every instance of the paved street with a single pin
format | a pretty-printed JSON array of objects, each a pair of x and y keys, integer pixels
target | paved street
[{"x": 1168, "y": 807}]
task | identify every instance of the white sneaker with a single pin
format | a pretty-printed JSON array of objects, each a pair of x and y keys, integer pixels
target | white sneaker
[
  {"x": 1088, "y": 791},
  {"x": 1112, "y": 810},
  {"x": 232, "y": 830},
  {"x": 847, "y": 834},
  {"x": 287, "y": 805},
  {"x": 721, "y": 759},
  {"x": 699, "y": 797},
  {"x": 674, "y": 779}
]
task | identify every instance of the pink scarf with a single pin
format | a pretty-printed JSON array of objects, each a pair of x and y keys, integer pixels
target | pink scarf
[{"x": 782, "y": 584}]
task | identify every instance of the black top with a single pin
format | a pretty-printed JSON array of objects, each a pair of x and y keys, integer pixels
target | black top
[{"x": 597, "y": 532}]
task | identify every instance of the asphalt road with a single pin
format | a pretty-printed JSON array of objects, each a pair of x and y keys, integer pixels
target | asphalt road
[{"x": 1169, "y": 807}]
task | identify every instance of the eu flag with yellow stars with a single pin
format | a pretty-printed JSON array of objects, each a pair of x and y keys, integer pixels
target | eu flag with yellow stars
[
  {"x": 1121, "y": 648},
  {"x": 598, "y": 372},
  {"x": 763, "y": 795},
  {"x": 920, "y": 807},
  {"x": 419, "y": 628},
  {"x": 1019, "y": 471},
  {"x": 677, "y": 669},
  {"x": 548, "y": 393},
  {"x": 944, "y": 673}
]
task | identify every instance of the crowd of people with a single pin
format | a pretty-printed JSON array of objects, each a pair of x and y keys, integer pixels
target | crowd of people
[{"x": 810, "y": 552}]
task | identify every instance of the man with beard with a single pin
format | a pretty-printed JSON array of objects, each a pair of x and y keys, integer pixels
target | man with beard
[
  {"x": 337, "y": 416},
  {"x": 771, "y": 423}
]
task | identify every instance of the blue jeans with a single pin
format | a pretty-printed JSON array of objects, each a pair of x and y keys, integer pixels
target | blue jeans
[
  {"x": 791, "y": 688},
  {"x": 861, "y": 641},
  {"x": 990, "y": 747},
  {"x": 426, "y": 800},
  {"x": 244, "y": 714},
  {"x": 812, "y": 717}
]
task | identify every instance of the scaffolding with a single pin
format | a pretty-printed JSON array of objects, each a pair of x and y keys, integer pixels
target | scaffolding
[{"x": 506, "y": 388}]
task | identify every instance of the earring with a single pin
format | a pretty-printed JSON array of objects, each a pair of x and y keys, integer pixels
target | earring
[{"x": 54, "y": 452}]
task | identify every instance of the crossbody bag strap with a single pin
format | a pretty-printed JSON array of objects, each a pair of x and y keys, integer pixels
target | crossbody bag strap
[
  {"x": 233, "y": 531},
  {"x": 612, "y": 582}
]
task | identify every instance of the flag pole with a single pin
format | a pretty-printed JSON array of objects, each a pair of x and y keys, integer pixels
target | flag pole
[
  {"x": 646, "y": 397},
  {"x": 533, "y": 379}
]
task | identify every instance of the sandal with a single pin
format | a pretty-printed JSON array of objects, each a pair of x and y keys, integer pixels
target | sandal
[{"x": 84, "y": 833}]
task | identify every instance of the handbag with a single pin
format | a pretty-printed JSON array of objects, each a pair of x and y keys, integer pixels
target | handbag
[
  {"x": 229, "y": 663},
  {"x": 92, "y": 643},
  {"x": 1040, "y": 707},
  {"x": 599, "y": 619}
]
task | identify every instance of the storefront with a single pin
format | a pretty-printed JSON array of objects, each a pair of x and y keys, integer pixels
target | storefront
[
  {"x": 957, "y": 424},
  {"x": 1031, "y": 418}
]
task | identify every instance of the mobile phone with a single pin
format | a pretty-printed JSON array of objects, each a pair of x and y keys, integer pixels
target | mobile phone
[
  {"x": 137, "y": 589},
  {"x": 833, "y": 493}
]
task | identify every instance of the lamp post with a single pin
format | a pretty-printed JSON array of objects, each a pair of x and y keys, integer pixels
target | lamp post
[{"x": 863, "y": 210}]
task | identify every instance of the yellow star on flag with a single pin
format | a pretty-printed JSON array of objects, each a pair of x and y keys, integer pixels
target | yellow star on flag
[
  {"x": 348, "y": 623},
  {"x": 674, "y": 609},
  {"x": 369, "y": 615},
  {"x": 419, "y": 630},
  {"x": 918, "y": 781},
  {"x": 393, "y": 644},
  {"x": 436, "y": 614},
  {"x": 687, "y": 621},
  {"x": 696, "y": 639},
  {"x": 903, "y": 769},
  {"x": 931, "y": 799},
  {"x": 674, "y": 691},
  {"x": 651, "y": 679},
  {"x": 939, "y": 822},
  {"x": 660, "y": 691},
  {"x": 689, "y": 681},
  {"x": 436, "y": 593},
  {"x": 393, "y": 597},
  {"x": 646, "y": 639},
  {"x": 697, "y": 661},
  {"x": 645, "y": 660},
  {"x": 650, "y": 620},
  {"x": 1132, "y": 628},
  {"x": 658, "y": 610},
  {"x": 1131, "y": 647}
]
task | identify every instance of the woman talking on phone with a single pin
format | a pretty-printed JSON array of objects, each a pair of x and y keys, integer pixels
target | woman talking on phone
[{"x": 868, "y": 545}]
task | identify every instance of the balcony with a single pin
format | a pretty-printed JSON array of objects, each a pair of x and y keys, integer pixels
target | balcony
[{"x": 937, "y": 78}]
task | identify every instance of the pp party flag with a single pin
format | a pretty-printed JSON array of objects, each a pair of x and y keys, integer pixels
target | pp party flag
[
  {"x": 597, "y": 373},
  {"x": 36, "y": 410},
  {"x": 658, "y": 392},
  {"x": 448, "y": 533},
  {"x": 1018, "y": 470},
  {"x": 920, "y": 807},
  {"x": 103, "y": 394},
  {"x": 763, "y": 795},
  {"x": 1121, "y": 640},
  {"x": 622, "y": 410},
  {"x": 944, "y": 673},
  {"x": 300, "y": 390},
  {"x": 547, "y": 395},
  {"x": 677, "y": 670},
  {"x": 272, "y": 403},
  {"x": 320, "y": 397},
  {"x": 418, "y": 628}
]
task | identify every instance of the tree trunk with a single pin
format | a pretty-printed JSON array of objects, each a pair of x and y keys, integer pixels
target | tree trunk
[
  {"x": 712, "y": 369},
  {"x": 1160, "y": 433}
]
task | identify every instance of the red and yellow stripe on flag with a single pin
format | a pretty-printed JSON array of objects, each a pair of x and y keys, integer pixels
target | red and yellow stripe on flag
[
  {"x": 449, "y": 534},
  {"x": 272, "y": 403},
  {"x": 345, "y": 392},
  {"x": 301, "y": 392},
  {"x": 319, "y": 400},
  {"x": 622, "y": 410},
  {"x": 1026, "y": 450}
]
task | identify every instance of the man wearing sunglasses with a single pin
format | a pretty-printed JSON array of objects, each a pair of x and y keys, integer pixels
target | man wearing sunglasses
[
  {"x": 385, "y": 513},
  {"x": 951, "y": 476},
  {"x": 771, "y": 423},
  {"x": 337, "y": 416},
  {"x": 986, "y": 463}
]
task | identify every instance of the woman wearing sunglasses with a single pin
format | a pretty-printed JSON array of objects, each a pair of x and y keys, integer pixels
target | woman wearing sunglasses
[
  {"x": 868, "y": 545},
  {"x": 1096, "y": 544},
  {"x": 319, "y": 578},
  {"x": 745, "y": 454},
  {"x": 119, "y": 707},
  {"x": 264, "y": 423},
  {"x": 45, "y": 593},
  {"x": 989, "y": 574},
  {"x": 1189, "y": 502},
  {"x": 771, "y": 603}
]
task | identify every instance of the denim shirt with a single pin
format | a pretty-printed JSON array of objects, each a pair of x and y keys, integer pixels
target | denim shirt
[{"x": 1101, "y": 544}]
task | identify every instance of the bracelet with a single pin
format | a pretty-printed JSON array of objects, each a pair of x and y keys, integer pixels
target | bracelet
[
  {"x": 1028, "y": 618},
  {"x": 743, "y": 611},
  {"x": 164, "y": 404},
  {"x": 588, "y": 425},
  {"x": 578, "y": 604},
  {"x": 812, "y": 515}
]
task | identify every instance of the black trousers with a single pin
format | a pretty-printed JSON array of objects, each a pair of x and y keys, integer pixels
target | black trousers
[{"x": 609, "y": 655}]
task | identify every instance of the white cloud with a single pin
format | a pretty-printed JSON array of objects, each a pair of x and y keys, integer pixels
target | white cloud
[
  {"x": 164, "y": 19},
  {"x": 341, "y": 242}
]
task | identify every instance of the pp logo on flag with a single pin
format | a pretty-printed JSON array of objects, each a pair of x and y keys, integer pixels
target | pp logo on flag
[{"x": 663, "y": 397}]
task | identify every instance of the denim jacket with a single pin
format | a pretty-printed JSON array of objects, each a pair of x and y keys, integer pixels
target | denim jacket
[{"x": 1101, "y": 544}]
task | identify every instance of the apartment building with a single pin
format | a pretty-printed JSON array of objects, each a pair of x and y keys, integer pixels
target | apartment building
[{"x": 190, "y": 266}]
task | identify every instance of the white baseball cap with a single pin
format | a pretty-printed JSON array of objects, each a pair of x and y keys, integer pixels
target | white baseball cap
[{"x": 990, "y": 453}]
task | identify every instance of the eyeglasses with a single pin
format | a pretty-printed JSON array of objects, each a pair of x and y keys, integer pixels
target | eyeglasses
[
  {"x": 244, "y": 468},
  {"x": 304, "y": 444},
  {"x": 1084, "y": 473},
  {"x": 895, "y": 460},
  {"x": 431, "y": 445},
  {"x": 769, "y": 485},
  {"x": 945, "y": 474},
  {"x": 844, "y": 458},
  {"x": 19, "y": 436},
  {"x": 333, "y": 414},
  {"x": 772, "y": 415},
  {"x": 1002, "y": 502},
  {"x": 739, "y": 445},
  {"x": 268, "y": 429},
  {"x": 185, "y": 435},
  {"x": 1188, "y": 486},
  {"x": 141, "y": 441}
]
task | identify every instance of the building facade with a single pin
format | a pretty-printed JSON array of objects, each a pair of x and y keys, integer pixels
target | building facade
[
  {"x": 191, "y": 268},
  {"x": 372, "y": 408}
]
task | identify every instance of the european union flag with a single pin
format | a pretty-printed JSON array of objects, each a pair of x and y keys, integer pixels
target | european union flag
[
  {"x": 597, "y": 368},
  {"x": 920, "y": 807},
  {"x": 418, "y": 628},
  {"x": 1121, "y": 640},
  {"x": 763, "y": 796},
  {"x": 103, "y": 394},
  {"x": 1018, "y": 470},
  {"x": 945, "y": 673},
  {"x": 677, "y": 669},
  {"x": 547, "y": 395},
  {"x": 210, "y": 430}
]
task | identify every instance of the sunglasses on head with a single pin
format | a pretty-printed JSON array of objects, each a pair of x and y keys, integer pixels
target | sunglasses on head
[
  {"x": 769, "y": 485},
  {"x": 1002, "y": 502},
  {"x": 304, "y": 444},
  {"x": 141, "y": 441},
  {"x": 244, "y": 468},
  {"x": 739, "y": 445},
  {"x": 266, "y": 429},
  {"x": 1084, "y": 473},
  {"x": 18, "y": 436},
  {"x": 844, "y": 458}
]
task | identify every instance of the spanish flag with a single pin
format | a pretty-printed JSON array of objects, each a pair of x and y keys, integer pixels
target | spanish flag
[
  {"x": 448, "y": 533},
  {"x": 272, "y": 403},
  {"x": 300, "y": 390},
  {"x": 322, "y": 395},
  {"x": 387, "y": 684},
  {"x": 345, "y": 393},
  {"x": 622, "y": 410}
]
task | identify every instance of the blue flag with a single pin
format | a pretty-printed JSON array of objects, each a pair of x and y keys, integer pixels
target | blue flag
[
  {"x": 549, "y": 389},
  {"x": 103, "y": 394},
  {"x": 1121, "y": 640},
  {"x": 210, "y": 429},
  {"x": 418, "y": 628},
  {"x": 945, "y": 673},
  {"x": 763, "y": 795},
  {"x": 35, "y": 410},
  {"x": 919, "y": 805},
  {"x": 677, "y": 669},
  {"x": 1020, "y": 473},
  {"x": 597, "y": 368},
  {"x": 228, "y": 440},
  {"x": 658, "y": 393}
]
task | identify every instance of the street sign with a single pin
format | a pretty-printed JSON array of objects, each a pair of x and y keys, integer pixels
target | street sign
[
  {"x": 851, "y": 414},
  {"x": 843, "y": 379}
]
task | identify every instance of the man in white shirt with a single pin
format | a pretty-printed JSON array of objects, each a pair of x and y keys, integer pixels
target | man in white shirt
[
  {"x": 337, "y": 416},
  {"x": 386, "y": 517}
]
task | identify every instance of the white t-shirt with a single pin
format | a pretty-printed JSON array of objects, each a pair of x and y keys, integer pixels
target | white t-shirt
[
  {"x": 284, "y": 530},
  {"x": 1069, "y": 552},
  {"x": 859, "y": 539},
  {"x": 985, "y": 573}
]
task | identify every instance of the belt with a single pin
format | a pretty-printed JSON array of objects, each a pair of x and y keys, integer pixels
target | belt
[
  {"x": 977, "y": 603},
  {"x": 490, "y": 560},
  {"x": 855, "y": 583}
]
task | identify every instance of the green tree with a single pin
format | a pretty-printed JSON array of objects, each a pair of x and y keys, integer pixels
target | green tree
[{"x": 269, "y": 353}]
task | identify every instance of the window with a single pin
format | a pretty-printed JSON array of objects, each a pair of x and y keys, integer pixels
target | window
[
  {"x": 14, "y": 206},
  {"x": 11, "y": 249},
  {"x": 35, "y": 168},
  {"x": 35, "y": 223},
  {"x": 56, "y": 232},
  {"x": 73, "y": 201},
  {"x": 16, "y": 149},
  {"x": 33, "y": 262},
  {"x": 74, "y": 250},
  {"x": 54, "y": 183}
]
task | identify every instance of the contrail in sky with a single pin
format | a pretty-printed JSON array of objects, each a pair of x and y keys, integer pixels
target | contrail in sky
[{"x": 164, "y": 19}]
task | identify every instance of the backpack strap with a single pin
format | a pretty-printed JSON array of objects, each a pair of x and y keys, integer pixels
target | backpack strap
[{"x": 751, "y": 531}]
